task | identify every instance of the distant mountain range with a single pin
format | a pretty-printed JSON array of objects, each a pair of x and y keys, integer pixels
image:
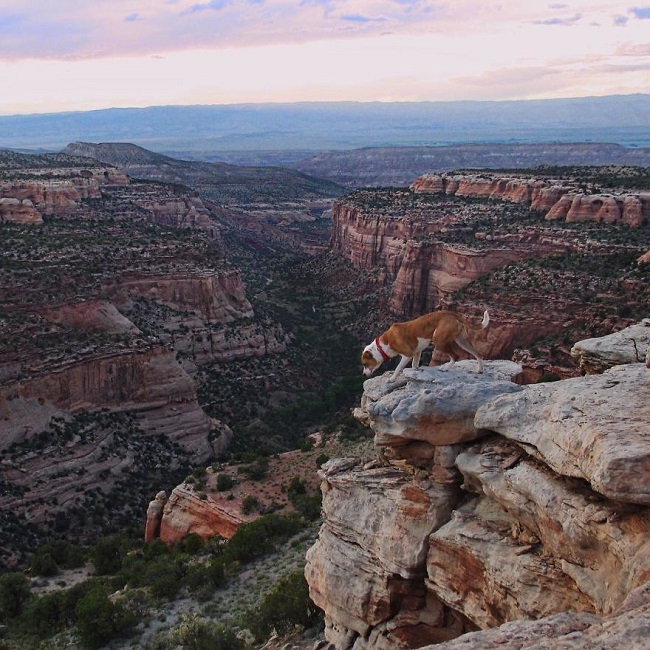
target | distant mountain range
[{"x": 284, "y": 132}]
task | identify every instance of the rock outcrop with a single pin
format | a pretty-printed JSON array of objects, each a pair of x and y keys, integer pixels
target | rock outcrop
[
  {"x": 188, "y": 512},
  {"x": 19, "y": 211},
  {"x": 401, "y": 245},
  {"x": 57, "y": 192},
  {"x": 556, "y": 198},
  {"x": 629, "y": 345},
  {"x": 149, "y": 383},
  {"x": 492, "y": 504}
]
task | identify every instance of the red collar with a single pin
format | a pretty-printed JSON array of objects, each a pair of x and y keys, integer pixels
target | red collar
[{"x": 384, "y": 356}]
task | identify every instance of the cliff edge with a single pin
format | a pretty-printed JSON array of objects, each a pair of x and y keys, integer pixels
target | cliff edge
[{"x": 495, "y": 515}]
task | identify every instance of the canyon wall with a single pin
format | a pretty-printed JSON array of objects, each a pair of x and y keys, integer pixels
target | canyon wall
[
  {"x": 558, "y": 199},
  {"x": 490, "y": 504},
  {"x": 55, "y": 193}
]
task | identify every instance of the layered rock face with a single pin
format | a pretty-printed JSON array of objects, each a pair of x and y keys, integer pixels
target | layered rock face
[
  {"x": 57, "y": 193},
  {"x": 404, "y": 251},
  {"x": 558, "y": 199},
  {"x": 493, "y": 504}
]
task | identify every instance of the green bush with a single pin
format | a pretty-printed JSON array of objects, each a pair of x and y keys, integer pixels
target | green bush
[
  {"x": 321, "y": 459},
  {"x": 192, "y": 544},
  {"x": 14, "y": 592},
  {"x": 106, "y": 556},
  {"x": 194, "y": 633},
  {"x": 47, "y": 614},
  {"x": 287, "y": 605},
  {"x": 43, "y": 564},
  {"x": 224, "y": 482},
  {"x": 259, "y": 537},
  {"x": 249, "y": 504},
  {"x": 99, "y": 620}
]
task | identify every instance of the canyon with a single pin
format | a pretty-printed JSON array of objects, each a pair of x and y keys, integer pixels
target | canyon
[
  {"x": 487, "y": 510},
  {"x": 512, "y": 244},
  {"x": 115, "y": 293}
]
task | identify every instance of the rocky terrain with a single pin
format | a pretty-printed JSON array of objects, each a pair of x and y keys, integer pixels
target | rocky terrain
[
  {"x": 527, "y": 248},
  {"x": 114, "y": 293},
  {"x": 518, "y": 510}
]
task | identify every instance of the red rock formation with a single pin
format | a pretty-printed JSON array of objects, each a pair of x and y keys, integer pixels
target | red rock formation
[
  {"x": 401, "y": 247},
  {"x": 184, "y": 212},
  {"x": 431, "y": 271},
  {"x": 154, "y": 517},
  {"x": 559, "y": 199},
  {"x": 186, "y": 512},
  {"x": 56, "y": 194},
  {"x": 91, "y": 315},
  {"x": 150, "y": 383},
  {"x": 20, "y": 211},
  {"x": 216, "y": 296}
]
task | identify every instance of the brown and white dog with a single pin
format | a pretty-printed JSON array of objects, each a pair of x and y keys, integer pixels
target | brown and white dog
[{"x": 411, "y": 338}]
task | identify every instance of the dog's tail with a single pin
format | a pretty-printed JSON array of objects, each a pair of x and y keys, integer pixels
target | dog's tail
[{"x": 486, "y": 320}]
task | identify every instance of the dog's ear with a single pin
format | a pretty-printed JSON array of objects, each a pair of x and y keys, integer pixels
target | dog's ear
[{"x": 367, "y": 356}]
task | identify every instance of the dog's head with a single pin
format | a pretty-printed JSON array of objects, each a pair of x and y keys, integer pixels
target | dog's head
[{"x": 369, "y": 361}]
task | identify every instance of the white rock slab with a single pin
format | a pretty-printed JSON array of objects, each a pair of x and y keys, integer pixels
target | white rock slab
[
  {"x": 630, "y": 345},
  {"x": 595, "y": 427},
  {"x": 434, "y": 405}
]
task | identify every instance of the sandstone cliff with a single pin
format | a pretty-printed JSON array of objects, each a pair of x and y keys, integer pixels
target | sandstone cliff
[
  {"x": 492, "y": 503},
  {"x": 556, "y": 198},
  {"x": 57, "y": 192},
  {"x": 468, "y": 243}
]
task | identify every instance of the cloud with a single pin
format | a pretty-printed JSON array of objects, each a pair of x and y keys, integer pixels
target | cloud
[
  {"x": 357, "y": 18},
  {"x": 641, "y": 12},
  {"x": 641, "y": 49},
  {"x": 213, "y": 5},
  {"x": 557, "y": 5},
  {"x": 132, "y": 18},
  {"x": 566, "y": 22}
]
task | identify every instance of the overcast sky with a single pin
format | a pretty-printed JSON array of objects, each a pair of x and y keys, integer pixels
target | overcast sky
[{"x": 61, "y": 55}]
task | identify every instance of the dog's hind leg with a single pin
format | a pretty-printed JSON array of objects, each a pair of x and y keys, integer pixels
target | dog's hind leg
[
  {"x": 463, "y": 343},
  {"x": 441, "y": 345}
]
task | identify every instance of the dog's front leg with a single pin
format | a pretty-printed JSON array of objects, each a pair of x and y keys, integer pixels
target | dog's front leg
[{"x": 400, "y": 366}]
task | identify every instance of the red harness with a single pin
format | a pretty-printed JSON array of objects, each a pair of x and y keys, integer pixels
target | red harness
[{"x": 384, "y": 356}]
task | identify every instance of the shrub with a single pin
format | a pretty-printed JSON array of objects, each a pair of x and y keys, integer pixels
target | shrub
[
  {"x": 249, "y": 503},
  {"x": 194, "y": 633},
  {"x": 258, "y": 538},
  {"x": 43, "y": 564},
  {"x": 224, "y": 482},
  {"x": 321, "y": 459},
  {"x": 192, "y": 544},
  {"x": 14, "y": 592},
  {"x": 286, "y": 606},
  {"x": 106, "y": 556},
  {"x": 99, "y": 620},
  {"x": 257, "y": 470},
  {"x": 46, "y": 615}
]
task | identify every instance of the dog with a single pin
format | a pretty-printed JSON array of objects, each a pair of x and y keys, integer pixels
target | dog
[{"x": 411, "y": 338}]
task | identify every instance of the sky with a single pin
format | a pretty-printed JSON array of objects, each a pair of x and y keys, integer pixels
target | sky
[{"x": 77, "y": 55}]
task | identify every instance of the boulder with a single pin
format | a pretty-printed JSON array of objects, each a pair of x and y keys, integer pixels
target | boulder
[
  {"x": 593, "y": 427},
  {"x": 630, "y": 345},
  {"x": 434, "y": 405}
]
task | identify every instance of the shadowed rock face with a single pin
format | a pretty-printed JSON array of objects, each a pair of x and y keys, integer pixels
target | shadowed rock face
[{"x": 494, "y": 505}]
